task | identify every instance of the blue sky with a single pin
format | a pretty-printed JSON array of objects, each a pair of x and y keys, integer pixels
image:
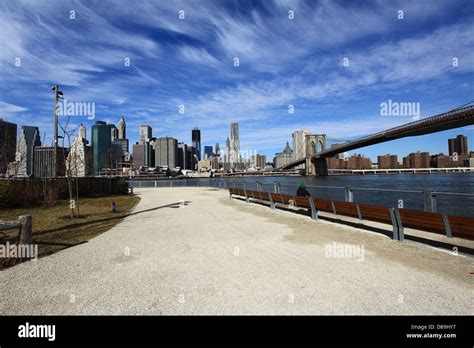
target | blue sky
[{"x": 283, "y": 61}]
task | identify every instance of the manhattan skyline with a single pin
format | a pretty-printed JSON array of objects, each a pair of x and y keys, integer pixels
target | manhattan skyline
[{"x": 188, "y": 59}]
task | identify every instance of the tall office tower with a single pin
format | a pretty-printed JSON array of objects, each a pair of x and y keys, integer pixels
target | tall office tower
[
  {"x": 452, "y": 146},
  {"x": 166, "y": 152},
  {"x": 234, "y": 151},
  {"x": 7, "y": 144},
  {"x": 101, "y": 145},
  {"x": 29, "y": 138},
  {"x": 113, "y": 133},
  {"x": 122, "y": 129},
  {"x": 207, "y": 151},
  {"x": 49, "y": 162},
  {"x": 218, "y": 150},
  {"x": 119, "y": 137},
  {"x": 181, "y": 156},
  {"x": 79, "y": 160},
  {"x": 458, "y": 145},
  {"x": 82, "y": 131},
  {"x": 196, "y": 138},
  {"x": 260, "y": 161},
  {"x": 138, "y": 155},
  {"x": 191, "y": 158},
  {"x": 145, "y": 133}
]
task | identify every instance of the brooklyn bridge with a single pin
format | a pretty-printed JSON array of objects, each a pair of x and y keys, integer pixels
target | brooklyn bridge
[{"x": 315, "y": 161}]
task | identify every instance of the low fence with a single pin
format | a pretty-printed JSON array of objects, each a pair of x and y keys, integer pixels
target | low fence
[
  {"x": 456, "y": 203},
  {"x": 20, "y": 192},
  {"x": 25, "y": 226}
]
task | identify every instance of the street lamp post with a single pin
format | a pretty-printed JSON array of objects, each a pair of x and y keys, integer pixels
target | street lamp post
[{"x": 57, "y": 95}]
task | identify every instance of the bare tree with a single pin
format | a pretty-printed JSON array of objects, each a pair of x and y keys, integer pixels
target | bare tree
[{"x": 70, "y": 171}]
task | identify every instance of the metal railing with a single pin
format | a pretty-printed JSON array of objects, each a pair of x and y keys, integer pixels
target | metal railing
[{"x": 426, "y": 200}]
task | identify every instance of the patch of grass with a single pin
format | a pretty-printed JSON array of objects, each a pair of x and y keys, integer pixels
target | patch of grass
[{"x": 55, "y": 230}]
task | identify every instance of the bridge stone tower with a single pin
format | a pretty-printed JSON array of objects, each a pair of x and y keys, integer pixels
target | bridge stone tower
[{"x": 315, "y": 166}]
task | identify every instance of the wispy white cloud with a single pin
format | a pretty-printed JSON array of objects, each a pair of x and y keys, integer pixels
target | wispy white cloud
[{"x": 190, "y": 62}]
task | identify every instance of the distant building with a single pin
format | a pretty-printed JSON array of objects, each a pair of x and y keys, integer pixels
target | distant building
[
  {"x": 438, "y": 161},
  {"x": 283, "y": 158},
  {"x": 469, "y": 162},
  {"x": 138, "y": 155},
  {"x": 79, "y": 161},
  {"x": 196, "y": 138},
  {"x": 234, "y": 146},
  {"x": 387, "y": 161},
  {"x": 260, "y": 161},
  {"x": 458, "y": 145},
  {"x": 7, "y": 144},
  {"x": 29, "y": 138},
  {"x": 181, "y": 153},
  {"x": 358, "y": 161},
  {"x": 101, "y": 145},
  {"x": 218, "y": 150},
  {"x": 204, "y": 165},
  {"x": 166, "y": 152},
  {"x": 45, "y": 164},
  {"x": 145, "y": 133},
  {"x": 82, "y": 131},
  {"x": 336, "y": 163},
  {"x": 207, "y": 151},
  {"x": 143, "y": 155},
  {"x": 113, "y": 133},
  {"x": 191, "y": 158},
  {"x": 122, "y": 129},
  {"x": 417, "y": 160},
  {"x": 123, "y": 144}
]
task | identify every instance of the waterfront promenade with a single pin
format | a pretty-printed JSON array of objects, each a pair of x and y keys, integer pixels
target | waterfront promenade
[{"x": 195, "y": 251}]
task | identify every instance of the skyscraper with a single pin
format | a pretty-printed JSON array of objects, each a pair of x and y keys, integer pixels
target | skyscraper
[
  {"x": 79, "y": 160},
  {"x": 234, "y": 145},
  {"x": 101, "y": 145},
  {"x": 181, "y": 156},
  {"x": 196, "y": 138},
  {"x": 113, "y": 133},
  {"x": 120, "y": 138},
  {"x": 82, "y": 131},
  {"x": 29, "y": 138},
  {"x": 122, "y": 129},
  {"x": 218, "y": 150},
  {"x": 166, "y": 152},
  {"x": 145, "y": 133},
  {"x": 7, "y": 144},
  {"x": 208, "y": 151},
  {"x": 458, "y": 145}
]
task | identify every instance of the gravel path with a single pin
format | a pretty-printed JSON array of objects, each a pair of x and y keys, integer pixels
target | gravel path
[{"x": 222, "y": 256}]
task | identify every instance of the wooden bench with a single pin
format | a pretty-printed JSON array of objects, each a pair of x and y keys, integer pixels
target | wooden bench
[
  {"x": 346, "y": 208},
  {"x": 375, "y": 213},
  {"x": 461, "y": 226},
  {"x": 324, "y": 205},
  {"x": 422, "y": 220},
  {"x": 302, "y": 202},
  {"x": 449, "y": 225}
]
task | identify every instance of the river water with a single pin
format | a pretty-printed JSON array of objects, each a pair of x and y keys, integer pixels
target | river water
[
  {"x": 440, "y": 182},
  {"x": 445, "y": 182}
]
